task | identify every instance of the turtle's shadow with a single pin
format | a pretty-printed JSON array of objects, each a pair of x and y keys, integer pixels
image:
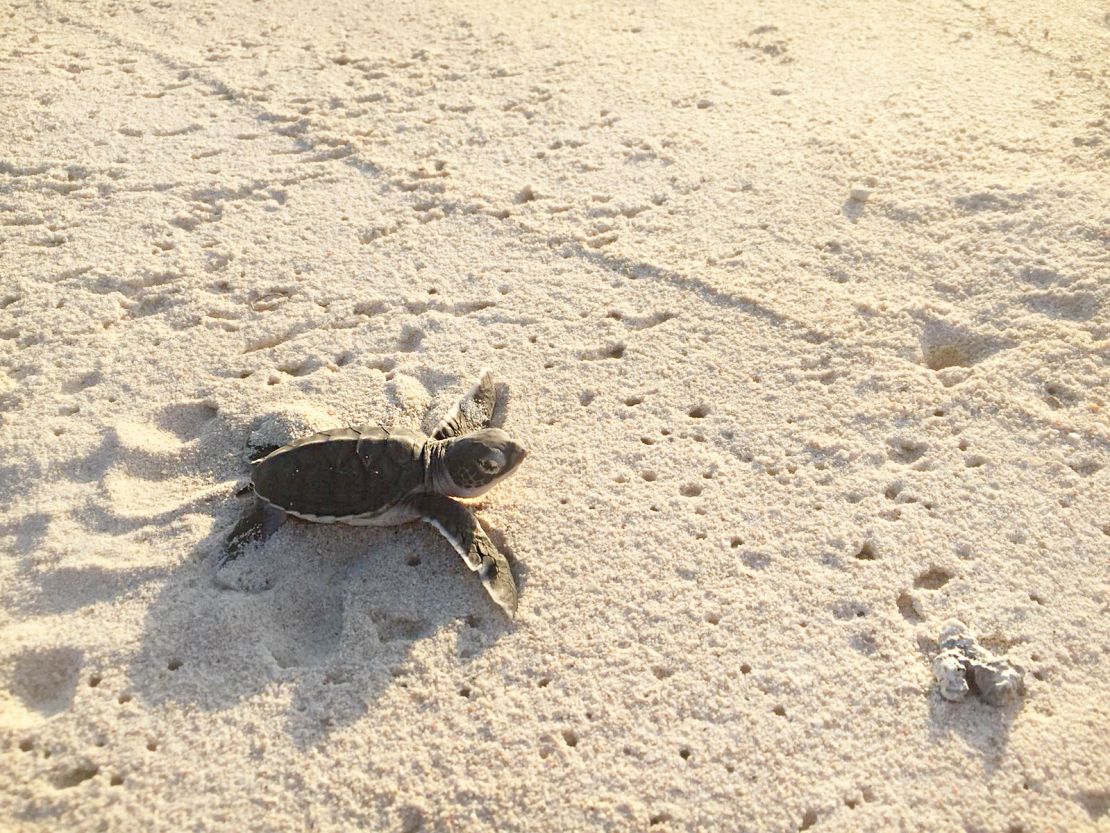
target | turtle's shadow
[
  {"x": 983, "y": 728},
  {"x": 321, "y": 621}
]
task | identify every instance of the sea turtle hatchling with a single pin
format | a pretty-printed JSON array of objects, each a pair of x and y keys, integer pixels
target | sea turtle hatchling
[{"x": 373, "y": 476}]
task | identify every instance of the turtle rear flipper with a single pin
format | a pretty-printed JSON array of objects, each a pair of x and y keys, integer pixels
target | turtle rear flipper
[
  {"x": 257, "y": 525},
  {"x": 473, "y": 412},
  {"x": 458, "y": 525}
]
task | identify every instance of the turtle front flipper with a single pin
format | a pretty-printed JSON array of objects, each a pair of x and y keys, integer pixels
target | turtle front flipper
[
  {"x": 262, "y": 521},
  {"x": 459, "y": 526},
  {"x": 473, "y": 412}
]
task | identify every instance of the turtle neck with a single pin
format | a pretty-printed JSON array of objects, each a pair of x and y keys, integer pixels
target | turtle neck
[{"x": 434, "y": 457}]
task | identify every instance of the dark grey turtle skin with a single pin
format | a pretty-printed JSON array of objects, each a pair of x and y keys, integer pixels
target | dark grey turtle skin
[{"x": 372, "y": 476}]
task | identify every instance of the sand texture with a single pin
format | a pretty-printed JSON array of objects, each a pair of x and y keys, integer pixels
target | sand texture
[{"x": 804, "y": 309}]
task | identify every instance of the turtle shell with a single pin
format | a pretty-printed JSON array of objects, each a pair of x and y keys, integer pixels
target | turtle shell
[{"x": 341, "y": 473}]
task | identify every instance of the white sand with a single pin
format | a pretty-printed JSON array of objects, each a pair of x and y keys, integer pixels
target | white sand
[{"x": 771, "y": 284}]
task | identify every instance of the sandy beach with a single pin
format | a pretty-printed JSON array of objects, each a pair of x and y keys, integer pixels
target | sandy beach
[{"x": 803, "y": 310}]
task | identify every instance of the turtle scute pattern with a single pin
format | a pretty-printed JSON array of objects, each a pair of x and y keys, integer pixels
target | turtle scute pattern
[{"x": 341, "y": 472}]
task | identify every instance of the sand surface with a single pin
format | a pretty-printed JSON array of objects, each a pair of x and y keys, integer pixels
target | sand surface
[{"x": 805, "y": 313}]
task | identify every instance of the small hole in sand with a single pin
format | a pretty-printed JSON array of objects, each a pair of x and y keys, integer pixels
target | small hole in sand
[
  {"x": 745, "y": 668},
  {"x": 932, "y": 579},
  {"x": 713, "y": 618},
  {"x": 94, "y": 681},
  {"x": 73, "y": 777},
  {"x": 174, "y": 664},
  {"x": 649, "y": 475},
  {"x": 124, "y": 698},
  {"x": 736, "y": 541},
  {"x": 907, "y": 608},
  {"x": 808, "y": 820},
  {"x": 26, "y": 745},
  {"x": 116, "y": 780},
  {"x": 543, "y": 682},
  {"x": 698, "y": 412},
  {"x": 780, "y": 711},
  {"x": 684, "y": 753},
  {"x": 570, "y": 737},
  {"x": 152, "y": 745},
  {"x": 866, "y": 552},
  {"x": 940, "y": 356},
  {"x": 413, "y": 561}
]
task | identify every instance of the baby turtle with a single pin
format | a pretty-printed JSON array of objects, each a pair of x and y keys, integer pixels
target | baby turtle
[{"x": 373, "y": 476}]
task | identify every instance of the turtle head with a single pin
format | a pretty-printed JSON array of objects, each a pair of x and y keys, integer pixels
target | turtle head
[{"x": 474, "y": 463}]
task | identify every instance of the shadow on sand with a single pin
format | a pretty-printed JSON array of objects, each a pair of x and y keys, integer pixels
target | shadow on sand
[
  {"x": 317, "y": 624},
  {"x": 983, "y": 728},
  {"x": 331, "y": 612}
]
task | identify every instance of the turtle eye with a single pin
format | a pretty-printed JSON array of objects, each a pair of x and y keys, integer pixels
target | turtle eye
[{"x": 491, "y": 463}]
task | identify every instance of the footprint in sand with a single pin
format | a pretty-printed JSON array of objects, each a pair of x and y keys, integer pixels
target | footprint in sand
[{"x": 44, "y": 679}]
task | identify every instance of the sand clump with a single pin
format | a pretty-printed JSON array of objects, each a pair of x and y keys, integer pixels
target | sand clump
[
  {"x": 963, "y": 666},
  {"x": 779, "y": 434}
]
